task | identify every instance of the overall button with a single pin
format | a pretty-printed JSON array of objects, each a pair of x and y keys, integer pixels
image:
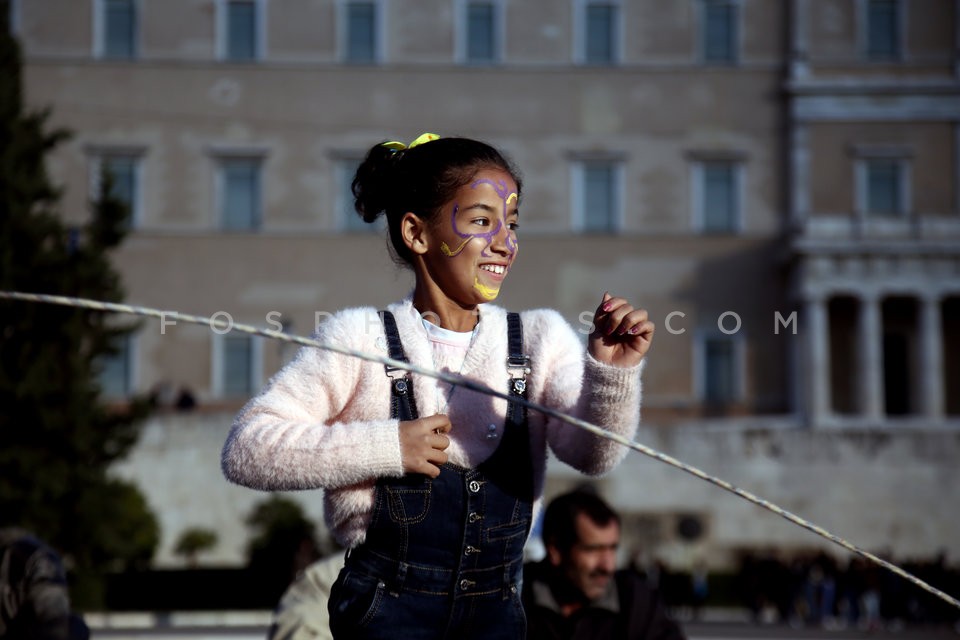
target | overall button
[
  {"x": 470, "y": 549},
  {"x": 466, "y": 584},
  {"x": 474, "y": 517},
  {"x": 474, "y": 486}
]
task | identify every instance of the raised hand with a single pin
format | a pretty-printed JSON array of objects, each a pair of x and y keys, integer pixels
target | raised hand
[{"x": 621, "y": 334}]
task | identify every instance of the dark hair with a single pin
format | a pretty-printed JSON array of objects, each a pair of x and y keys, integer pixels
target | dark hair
[
  {"x": 419, "y": 180},
  {"x": 560, "y": 517}
]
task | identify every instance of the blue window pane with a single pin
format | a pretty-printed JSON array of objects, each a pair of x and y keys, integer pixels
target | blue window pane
[
  {"x": 481, "y": 38},
  {"x": 237, "y": 366},
  {"x": 241, "y": 194},
  {"x": 883, "y": 30},
  {"x": 719, "y": 33},
  {"x": 599, "y": 198},
  {"x": 115, "y": 372},
  {"x": 242, "y": 31},
  {"x": 123, "y": 170},
  {"x": 361, "y": 32},
  {"x": 601, "y": 34},
  {"x": 119, "y": 29},
  {"x": 719, "y": 371},
  {"x": 883, "y": 187},
  {"x": 720, "y": 204}
]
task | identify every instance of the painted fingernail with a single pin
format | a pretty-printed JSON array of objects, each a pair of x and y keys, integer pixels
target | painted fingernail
[
  {"x": 634, "y": 330},
  {"x": 607, "y": 305}
]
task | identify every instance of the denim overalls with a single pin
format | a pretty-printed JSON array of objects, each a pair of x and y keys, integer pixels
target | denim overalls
[{"x": 443, "y": 557}]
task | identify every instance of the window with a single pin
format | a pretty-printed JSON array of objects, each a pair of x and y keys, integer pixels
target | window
[
  {"x": 597, "y": 197},
  {"x": 717, "y": 196},
  {"x": 239, "y": 190},
  {"x": 237, "y": 364},
  {"x": 883, "y": 186},
  {"x": 241, "y": 30},
  {"x": 600, "y": 31},
  {"x": 720, "y": 370},
  {"x": 125, "y": 175},
  {"x": 116, "y": 370},
  {"x": 883, "y": 29},
  {"x": 481, "y": 33},
  {"x": 116, "y": 27},
  {"x": 361, "y": 32},
  {"x": 719, "y": 31},
  {"x": 13, "y": 17}
]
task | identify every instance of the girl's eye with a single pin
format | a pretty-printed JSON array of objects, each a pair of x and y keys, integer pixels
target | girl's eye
[
  {"x": 513, "y": 226},
  {"x": 483, "y": 222}
]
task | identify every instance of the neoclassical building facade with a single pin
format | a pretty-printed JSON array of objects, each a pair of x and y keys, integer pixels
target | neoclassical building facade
[{"x": 776, "y": 181}]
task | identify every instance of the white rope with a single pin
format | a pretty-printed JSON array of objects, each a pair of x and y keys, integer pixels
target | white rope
[{"x": 171, "y": 317}]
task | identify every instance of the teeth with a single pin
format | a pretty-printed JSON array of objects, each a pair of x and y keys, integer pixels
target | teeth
[{"x": 494, "y": 268}]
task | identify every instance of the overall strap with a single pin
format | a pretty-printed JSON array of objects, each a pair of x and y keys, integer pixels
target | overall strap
[
  {"x": 518, "y": 366},
  {"x": 402, "y": 403}
]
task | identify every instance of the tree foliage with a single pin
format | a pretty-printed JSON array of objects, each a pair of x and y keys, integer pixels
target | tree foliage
[
  {"x": 57, "y": 438},
  {"x": 283, "y": 542},
  {"x": 194, "y": 541}
]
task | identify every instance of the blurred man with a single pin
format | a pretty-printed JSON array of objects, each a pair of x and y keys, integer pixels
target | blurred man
[
  {"x": 34, "y": 599},
  {"x": 576, "y": 593}
]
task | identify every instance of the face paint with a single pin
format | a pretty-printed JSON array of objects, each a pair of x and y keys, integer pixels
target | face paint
[
  {"x": 443, "y": 245},
  {"x": 501, "y": 189},
  {"x": 475, "y": 240},
  {"x": 487, "y": 292}
]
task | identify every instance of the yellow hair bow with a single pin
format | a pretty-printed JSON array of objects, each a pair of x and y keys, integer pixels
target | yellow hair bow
[{"x": 422, "y": 139}]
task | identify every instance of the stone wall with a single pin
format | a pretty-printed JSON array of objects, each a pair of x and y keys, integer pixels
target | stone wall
[{"x": 885, "y": 490}]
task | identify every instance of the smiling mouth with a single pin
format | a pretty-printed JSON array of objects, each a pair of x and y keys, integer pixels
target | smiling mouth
[{"x": 496, "y": 269}]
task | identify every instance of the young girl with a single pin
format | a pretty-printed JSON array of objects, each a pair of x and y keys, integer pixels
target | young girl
[{"x": 431, "y": 487}]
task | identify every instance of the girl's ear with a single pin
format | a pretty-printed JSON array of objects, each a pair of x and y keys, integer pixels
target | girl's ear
[{"x": 414, "y": 232}]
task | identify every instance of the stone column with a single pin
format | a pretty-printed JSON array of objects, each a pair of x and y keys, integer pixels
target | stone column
[
  {"x": 817, "y": 374},
  {"x": 870, "y": 359},
  {"x": 931, "y": 359},
  {"x": 799, "y": 175},
  {"x": 799, "y": 38}
]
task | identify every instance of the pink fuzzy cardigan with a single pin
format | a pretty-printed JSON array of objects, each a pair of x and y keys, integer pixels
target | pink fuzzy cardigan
[{"x": 323, "y": 421}]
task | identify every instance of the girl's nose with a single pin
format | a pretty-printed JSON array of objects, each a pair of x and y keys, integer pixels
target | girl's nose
[{"x": 500, "y": 242}]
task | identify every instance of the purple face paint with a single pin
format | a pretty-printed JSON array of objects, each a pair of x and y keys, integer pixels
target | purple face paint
[{"x": 501, "y": 189}]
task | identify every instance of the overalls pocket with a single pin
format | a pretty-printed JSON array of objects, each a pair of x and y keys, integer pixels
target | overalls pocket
[
  {"x": 409, "y": 505},
  {"x": 355, "y": 600}
]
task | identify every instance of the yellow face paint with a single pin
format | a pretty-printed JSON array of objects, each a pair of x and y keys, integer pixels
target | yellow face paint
[
  {"x": 488, "y": 293},
  {"x": 447, "y": 252}
]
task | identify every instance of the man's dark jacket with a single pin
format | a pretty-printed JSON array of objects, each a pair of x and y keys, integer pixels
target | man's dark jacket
[
  {"x": 630, "y": 610},
  {"x": 34, "y": 598}
]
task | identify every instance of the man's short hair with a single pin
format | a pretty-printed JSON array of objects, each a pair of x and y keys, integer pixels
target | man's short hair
[{"x": 560, "y": 517}]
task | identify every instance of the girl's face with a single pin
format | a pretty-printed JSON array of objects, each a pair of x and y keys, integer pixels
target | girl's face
[{"x": 473, "y": 242}]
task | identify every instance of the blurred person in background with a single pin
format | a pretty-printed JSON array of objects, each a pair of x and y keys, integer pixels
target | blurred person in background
[
  {"x": 576, "y": 592},
  {"x": 302, "y": 612},
  {"x": 34, "y": 597}
]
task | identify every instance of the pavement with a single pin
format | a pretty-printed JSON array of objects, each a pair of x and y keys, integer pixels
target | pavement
[{"x": 720, "y": 624}]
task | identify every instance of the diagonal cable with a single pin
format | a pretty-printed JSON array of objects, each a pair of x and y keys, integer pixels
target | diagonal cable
[{"x": 172, "y": 317}]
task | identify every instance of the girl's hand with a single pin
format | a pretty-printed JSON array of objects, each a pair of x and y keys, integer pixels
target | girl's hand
[
  {"x": 422, "y": 444},
  {"x": 621, "y": 334}
]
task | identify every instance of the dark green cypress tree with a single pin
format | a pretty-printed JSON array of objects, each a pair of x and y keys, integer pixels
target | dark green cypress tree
[{"x": 58, "y": 439}]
